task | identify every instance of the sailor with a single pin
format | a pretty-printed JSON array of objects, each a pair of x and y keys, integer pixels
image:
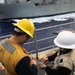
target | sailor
[
  {"x": 13, "y": 55},
  {"x": 63, "y": 61}
]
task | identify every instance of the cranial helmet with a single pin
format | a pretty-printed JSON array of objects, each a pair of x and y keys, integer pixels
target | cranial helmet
[
  {"x": 65, "y": 39},
  {"x": 26, "y": 26}
]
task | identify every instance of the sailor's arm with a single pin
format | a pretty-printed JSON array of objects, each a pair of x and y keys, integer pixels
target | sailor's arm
[
  {"x": 52, "y": 57},
  {"x": 58, "y": 71},
  {"x": 24, "y": 67},
  {"x": 49, "y": 58}
]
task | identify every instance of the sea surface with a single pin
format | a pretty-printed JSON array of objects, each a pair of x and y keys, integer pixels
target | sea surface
[{"x": 44, "y": 34}]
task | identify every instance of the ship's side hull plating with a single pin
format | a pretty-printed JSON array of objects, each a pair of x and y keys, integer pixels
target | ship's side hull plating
[{"x": 32, "y": 10}]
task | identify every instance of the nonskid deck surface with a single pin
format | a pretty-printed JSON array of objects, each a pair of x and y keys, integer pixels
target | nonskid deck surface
[{"x": 2, "y": 72}]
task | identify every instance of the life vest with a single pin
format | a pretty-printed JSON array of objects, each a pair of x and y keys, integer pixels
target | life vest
[
  {"x": 10, "y": 55},
  {"x": 65, "y": 60}
]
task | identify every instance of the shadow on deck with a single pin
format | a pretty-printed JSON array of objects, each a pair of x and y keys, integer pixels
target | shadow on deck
[{"x": 2, "y": 72}]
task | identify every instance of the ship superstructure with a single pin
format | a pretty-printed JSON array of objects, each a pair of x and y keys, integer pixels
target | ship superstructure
[{"x": 34, "y": 8}]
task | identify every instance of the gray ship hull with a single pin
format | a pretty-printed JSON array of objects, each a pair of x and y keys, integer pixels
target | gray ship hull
[{"x": 20, "y": 10}]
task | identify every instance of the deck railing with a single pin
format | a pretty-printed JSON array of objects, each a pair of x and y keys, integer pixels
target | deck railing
[{"x": 44, "y": 37}]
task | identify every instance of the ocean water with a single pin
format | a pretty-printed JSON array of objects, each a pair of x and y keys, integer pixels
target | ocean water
[{"x": 44, "y": 33}]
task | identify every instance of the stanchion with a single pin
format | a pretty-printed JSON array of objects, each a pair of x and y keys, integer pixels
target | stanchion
[{"x": 36, "y": 46}]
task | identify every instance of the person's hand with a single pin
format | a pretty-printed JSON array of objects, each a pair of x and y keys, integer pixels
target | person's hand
[
  {"x": 42, "y": 65},
  {"x": 33, "y": 61},
  {"x": 45, "y": 59}
]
